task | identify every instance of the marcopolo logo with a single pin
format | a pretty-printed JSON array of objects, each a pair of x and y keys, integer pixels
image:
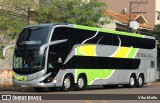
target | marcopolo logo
[{"x": 6, "y": 97}]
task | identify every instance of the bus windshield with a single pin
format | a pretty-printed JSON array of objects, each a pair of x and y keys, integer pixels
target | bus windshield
[
  {"x": 34, "y": 36},
  {"x": 28, "y": 59}
]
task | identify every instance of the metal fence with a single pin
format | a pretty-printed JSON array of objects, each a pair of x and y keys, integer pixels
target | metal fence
[{"x": 5, "y": 78}]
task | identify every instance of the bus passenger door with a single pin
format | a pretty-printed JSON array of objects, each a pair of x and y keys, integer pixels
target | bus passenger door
[{"x": 53, "y": 65}]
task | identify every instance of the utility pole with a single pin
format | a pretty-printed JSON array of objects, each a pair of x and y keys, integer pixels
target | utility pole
[
  {"x": 131, "y": 8},
  {"x": 28, "y": 16},
  {"x": 28, "y": 13}
]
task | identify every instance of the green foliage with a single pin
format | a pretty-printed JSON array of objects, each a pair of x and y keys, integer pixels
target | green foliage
[
  {"x": 156, "y": 31},
  {"x": 15, "y": 14},
  {"x": 73, "y": 11},
  {"x": 11, "y": 22},
  {"x": 9, "y": 29},
  {"x": 19, "y": 6}
]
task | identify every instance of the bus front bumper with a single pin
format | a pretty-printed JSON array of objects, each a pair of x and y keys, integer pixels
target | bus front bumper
[{"x": 36, "y": 83}]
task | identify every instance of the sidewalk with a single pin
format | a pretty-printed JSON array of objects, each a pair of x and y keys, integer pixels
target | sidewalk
[
  {"x": 11, "y": 88},
  {"x": 154, "y": 83},
  {"x": 6, "y": 88}
]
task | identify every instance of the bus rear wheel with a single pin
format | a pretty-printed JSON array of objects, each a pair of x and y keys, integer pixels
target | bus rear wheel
[
  {"x": 140, "y": 81},
  {"x": 81, "y": 83},
  {"x": 132, "y": 81},
  {"x": 66, "y": 83}
]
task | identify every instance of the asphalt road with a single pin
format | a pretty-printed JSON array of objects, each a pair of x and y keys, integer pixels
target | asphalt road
[{"x": 149, "y": 89}]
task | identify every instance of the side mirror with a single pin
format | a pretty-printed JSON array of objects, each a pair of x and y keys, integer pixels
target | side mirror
[
  {"x": 7, "y": 47},
  {"x": 43, "y": 47}
]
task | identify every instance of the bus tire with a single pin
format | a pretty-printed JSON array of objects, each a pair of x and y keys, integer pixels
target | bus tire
[
  {"x": 132, "y": 81},
  {"x": 140, "y": 81},
  {"x": 81, "y": 83},
  {"x": 66, "y": 83},
  {"x": 38, "y": 89}
]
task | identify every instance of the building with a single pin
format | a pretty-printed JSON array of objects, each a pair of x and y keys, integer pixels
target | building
[
  {"x": 152, "y": 8},
  {"x": 121, "y": 23}
]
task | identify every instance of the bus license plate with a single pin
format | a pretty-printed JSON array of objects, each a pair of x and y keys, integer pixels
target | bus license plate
[{"x": 23, "y": 85}]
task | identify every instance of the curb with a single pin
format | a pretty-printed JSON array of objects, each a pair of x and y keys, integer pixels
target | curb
[
  {"x": 152, "y": 83},
  {"x": 2, "y": 88}
]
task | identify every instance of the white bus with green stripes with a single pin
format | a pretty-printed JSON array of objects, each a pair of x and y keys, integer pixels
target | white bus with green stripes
[{"x": 74, "y": 56}]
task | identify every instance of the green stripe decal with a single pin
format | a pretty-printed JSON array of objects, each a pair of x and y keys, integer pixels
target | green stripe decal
[
  {"x": 86, "y": 27},
  {"x": 19, "y": 78},
  {"x": 132, "y": 53},
  {"x": 77, "y": 52},
  {"x": 92, "y": 74},
  {"x": 108, "y": 31},
  {"x": 96, "y": 74}
]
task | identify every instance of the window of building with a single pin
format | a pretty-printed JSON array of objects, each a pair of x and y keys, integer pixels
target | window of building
[{"x": 158, "y": 16}]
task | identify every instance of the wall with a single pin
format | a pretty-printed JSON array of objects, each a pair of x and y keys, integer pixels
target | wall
[
  {"x": 6, "y": 63},
  {"x": 5, "y": 78},
  {"x": 157, "y": 9}
]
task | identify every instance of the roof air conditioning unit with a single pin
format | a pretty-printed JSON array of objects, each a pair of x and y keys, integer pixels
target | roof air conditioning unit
[{"x": 134, "y": 25}]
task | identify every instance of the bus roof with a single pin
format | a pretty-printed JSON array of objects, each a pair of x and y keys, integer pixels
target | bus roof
[
  {"x": 46, "y": 25},
  {"x": 108, "y": 31},
  {"x": 93, "y": 29}
]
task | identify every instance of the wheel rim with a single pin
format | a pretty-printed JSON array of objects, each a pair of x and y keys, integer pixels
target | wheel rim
[
  {"x": 67, "y": 83},
  {"x": 140, "y": 81},
  {"x": 131, "y": 81},
  {"x": 80, "y": 83}
]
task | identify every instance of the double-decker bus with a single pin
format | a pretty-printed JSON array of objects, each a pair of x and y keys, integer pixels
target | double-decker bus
[{"x": 75, "y": 56}]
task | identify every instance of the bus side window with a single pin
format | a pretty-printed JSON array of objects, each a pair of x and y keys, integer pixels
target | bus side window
[
  {"x": 76, "y": 35},
  {"x": 60, "y": 33},
  {"x": 90, "y": 37},
  {"x": 150, "y": 43}
]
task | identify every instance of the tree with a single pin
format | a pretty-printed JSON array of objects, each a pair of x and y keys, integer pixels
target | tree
[
  {"x": 9, "y": 29},
  {"x": 73, "y": 11},
  {"x": 14, "y": 16},
  {"x": 156, "y": 31},
  {"x": 21, "y": 7}
]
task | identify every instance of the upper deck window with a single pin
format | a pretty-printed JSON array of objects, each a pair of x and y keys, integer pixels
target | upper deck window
[{"x": 34, "y": 36}]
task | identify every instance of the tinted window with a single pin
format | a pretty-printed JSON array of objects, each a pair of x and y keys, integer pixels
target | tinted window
[
  {"x": 150, "y": 43},
  {"x": 76, "y": 35},
  {"x": 33, "y": 36},
  {"x": 60, "y": 33},
  {"x": 136, "y": 42},
  {"x": 91, "y": 37}
]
